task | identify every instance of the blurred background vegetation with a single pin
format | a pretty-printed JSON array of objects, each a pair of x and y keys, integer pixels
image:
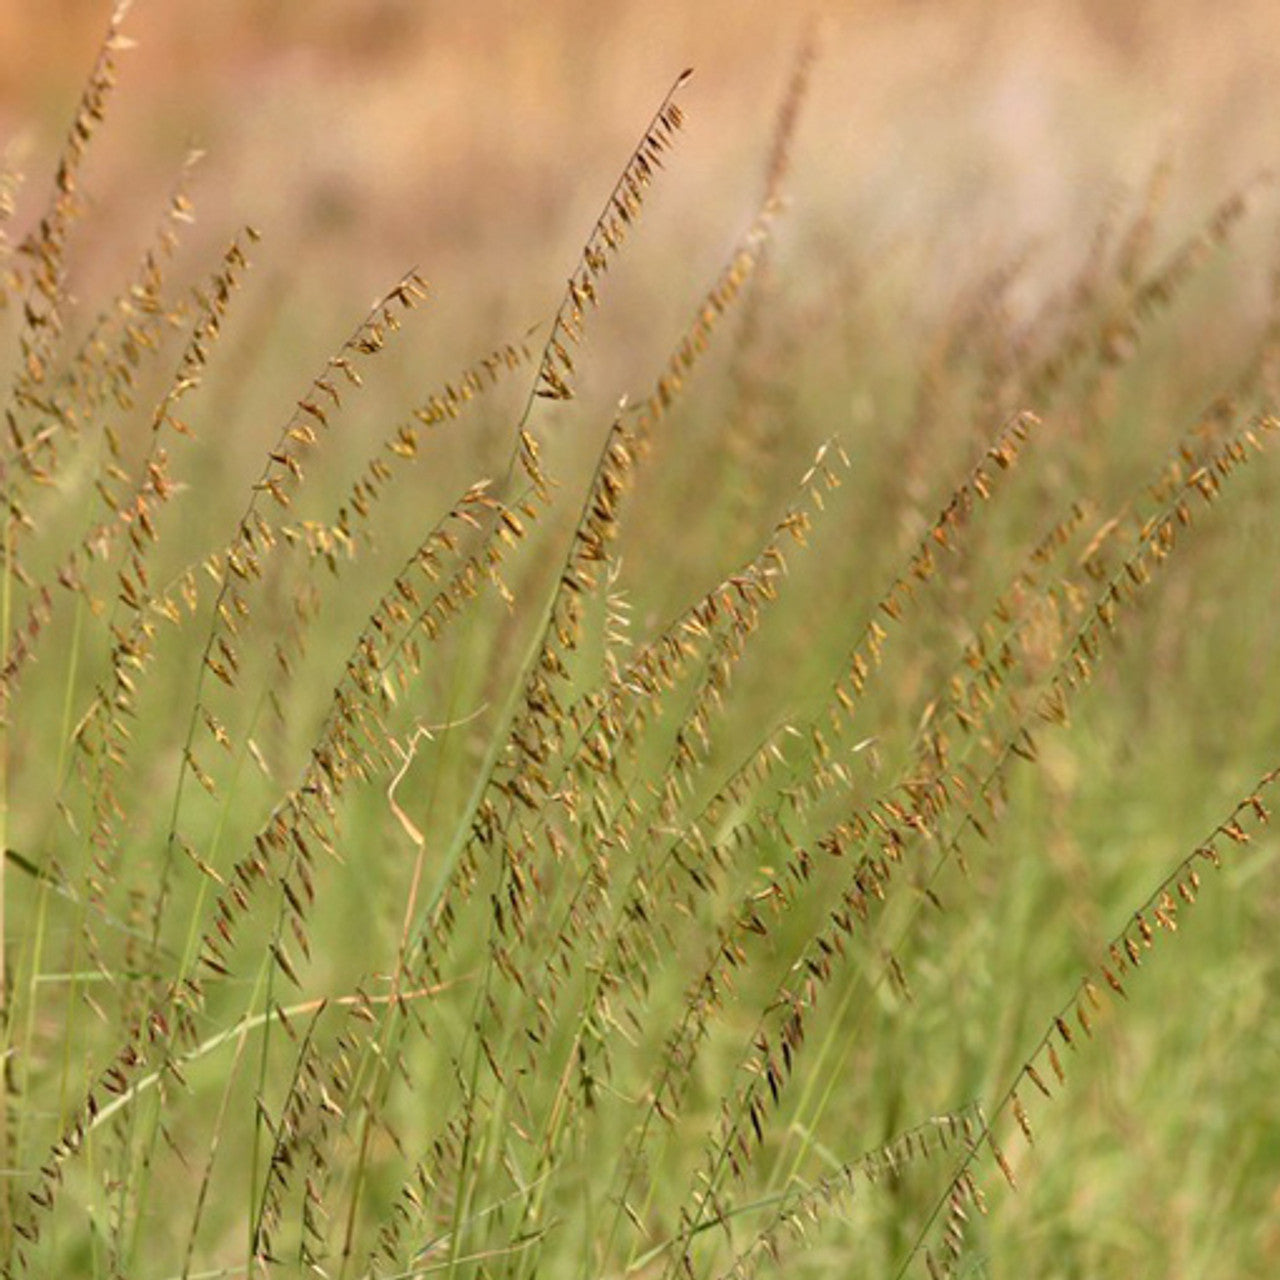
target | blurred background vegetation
[{"x": 473, "y": 139}]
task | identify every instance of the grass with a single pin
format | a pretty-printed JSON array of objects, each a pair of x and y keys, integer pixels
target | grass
[{"x": 807, "y": 816}]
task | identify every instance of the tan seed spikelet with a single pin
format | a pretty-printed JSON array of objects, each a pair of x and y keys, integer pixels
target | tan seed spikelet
[
  {"x": 554, "y": 379},
  {"x": 289, "y": 830},
  {"x": 103, "y": 734},
  {"x": 742, "y": 611},
  {"x": 45, "y": 247},
  {"x": 1075, "y": 668},
  {"x": 847, "y": 691},
  {"x": 238, "y": 564},
  {"x": 1121, "y": 950},
  {"x": 537, "y": 730},
  {"x": 1003, "y": 454},
  {"x": 610, "y": 458}
]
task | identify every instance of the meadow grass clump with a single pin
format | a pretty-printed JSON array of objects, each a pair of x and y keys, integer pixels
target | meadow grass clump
[{"x": 491, "y": 840}]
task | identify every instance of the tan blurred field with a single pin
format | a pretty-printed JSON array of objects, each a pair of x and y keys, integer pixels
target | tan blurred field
[
  {"x": 474, "y": 138},
  {"x": 473, "y": 141}
]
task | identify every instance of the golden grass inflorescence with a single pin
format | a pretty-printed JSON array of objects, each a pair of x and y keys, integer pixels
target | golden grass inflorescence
[{"x": 410, "y": 880}]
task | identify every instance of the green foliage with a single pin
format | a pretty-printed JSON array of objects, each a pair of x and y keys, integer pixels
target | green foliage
[{"x": 710, "y": 841}]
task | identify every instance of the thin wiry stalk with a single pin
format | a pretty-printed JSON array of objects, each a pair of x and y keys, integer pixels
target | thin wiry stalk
[
  {"x": 802, "y": 1206},
  {"x": 240, "y": 563},
  {"x": 1155, "y": 542},
  {"x": 828, "y": 729},
  {"x": 538, "y": 733},
  {"x": 755, "y": 435},
  {"x": 996, "y": 663},
  {"x": 103, "y": 733},
  {"x": 629, "y": 829},
  {"x": 679, "y": 1054},
  {"x": 283, "y": 849},
  {"x": 1116, "y": 334},
  {"x": 606, "y": 235},
  {"x": 1124, "y": 955},
  {"x": 43, "y": 253},
  {"x": 1074, "y": 670},
  {"x": 556, "y": 373}
]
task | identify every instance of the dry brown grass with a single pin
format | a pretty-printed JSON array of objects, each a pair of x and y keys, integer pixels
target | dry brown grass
[{"x": 459, "y": 818}]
